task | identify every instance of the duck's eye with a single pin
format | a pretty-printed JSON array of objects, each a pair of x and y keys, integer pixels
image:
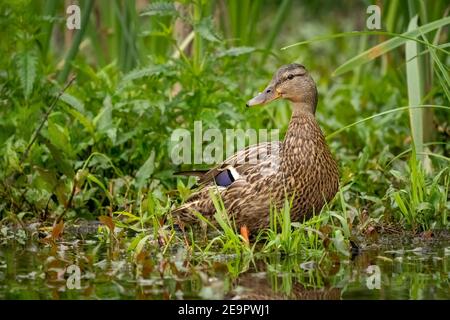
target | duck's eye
[
  {"x": 268, "y": 91},
  {"x": 291, "y": 76}
]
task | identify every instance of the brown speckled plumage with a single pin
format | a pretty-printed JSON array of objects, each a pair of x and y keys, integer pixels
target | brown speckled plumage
[{"x": 300, "y": 166}]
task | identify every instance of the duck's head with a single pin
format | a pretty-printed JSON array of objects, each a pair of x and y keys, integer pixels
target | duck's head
[{"x": 291, "y": 82}]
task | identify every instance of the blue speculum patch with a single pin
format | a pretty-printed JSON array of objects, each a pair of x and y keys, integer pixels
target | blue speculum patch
[{"x": 224, "y": 178}]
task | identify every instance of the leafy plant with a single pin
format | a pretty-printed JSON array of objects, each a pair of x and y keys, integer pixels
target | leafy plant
[{"x": 422, "y": 204}]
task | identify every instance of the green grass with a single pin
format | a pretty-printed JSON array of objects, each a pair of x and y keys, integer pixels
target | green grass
[{"x": 422, "y": 203}]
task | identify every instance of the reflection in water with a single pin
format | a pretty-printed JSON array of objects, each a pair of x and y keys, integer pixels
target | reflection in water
[
  {"x": 277, "y": 277},
  {"x": 420, "y": 271},
  {"x": 38, "y": 271}
]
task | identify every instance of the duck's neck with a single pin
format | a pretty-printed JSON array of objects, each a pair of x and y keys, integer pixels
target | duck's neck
[
  {"x": 303, "y": 126},
  {"x": 303, "y": 107}
]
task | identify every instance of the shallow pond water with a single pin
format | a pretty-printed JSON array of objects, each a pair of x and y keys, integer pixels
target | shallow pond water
[{"x": 91, "y": 269}]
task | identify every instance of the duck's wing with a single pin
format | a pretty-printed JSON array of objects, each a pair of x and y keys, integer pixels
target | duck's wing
[
  {"x": 241, "y": 171},
  {"x": 238, "y": 165}
]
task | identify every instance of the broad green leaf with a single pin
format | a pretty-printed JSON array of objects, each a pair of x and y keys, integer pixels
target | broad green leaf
[
  {"x": 62, "y": 191},
  {"x": 135, "y": 241},
  {"x": 103, "y": 120},
  {"x": 140, "y": 245},
  {"x": 145, "y": 171},
  {"x": 339, "y": 243},
  {"x": 48, "y": 177},
  {"x": 72, "y": 101},
  {"x": 59, "y": 137},
  {"x": 343, "y": 222}
]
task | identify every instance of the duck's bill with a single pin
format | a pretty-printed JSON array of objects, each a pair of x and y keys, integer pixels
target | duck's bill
[{"x": 268, "y": 95}]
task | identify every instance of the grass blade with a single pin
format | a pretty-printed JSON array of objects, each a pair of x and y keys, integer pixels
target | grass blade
[
  {"x": 382, "y": 114},
  {"x": 388, "y": 45},
  {"x": 414, "y": 77}
]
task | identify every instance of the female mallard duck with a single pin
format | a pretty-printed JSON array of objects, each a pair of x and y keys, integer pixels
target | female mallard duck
[{"x": 300, "y": 167}]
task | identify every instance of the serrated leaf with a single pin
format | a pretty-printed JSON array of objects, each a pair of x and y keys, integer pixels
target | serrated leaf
[
  {"x": 160, "y": 9},
  {"x": 205, "y": 29},
  {"x": 12, "y": 158},
  {"x": 141, "y": 73},
  {"x": 26, "y": 69},
  {"x": 145, "y": 170},
  {"x": 236, "y": 51}
]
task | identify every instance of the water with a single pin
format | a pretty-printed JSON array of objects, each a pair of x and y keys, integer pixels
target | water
[{"x": 419, "y": 269}]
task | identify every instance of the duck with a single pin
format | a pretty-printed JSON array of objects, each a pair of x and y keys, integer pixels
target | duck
[{"x": 261, "y": 177}]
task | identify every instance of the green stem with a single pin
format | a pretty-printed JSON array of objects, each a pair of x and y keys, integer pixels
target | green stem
[
  {"x": 198, "y": 41},
  {"x": 76, "y": 41},
  {"x": 282, "y": 13},
  {"x": 50, "y": 11}
]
